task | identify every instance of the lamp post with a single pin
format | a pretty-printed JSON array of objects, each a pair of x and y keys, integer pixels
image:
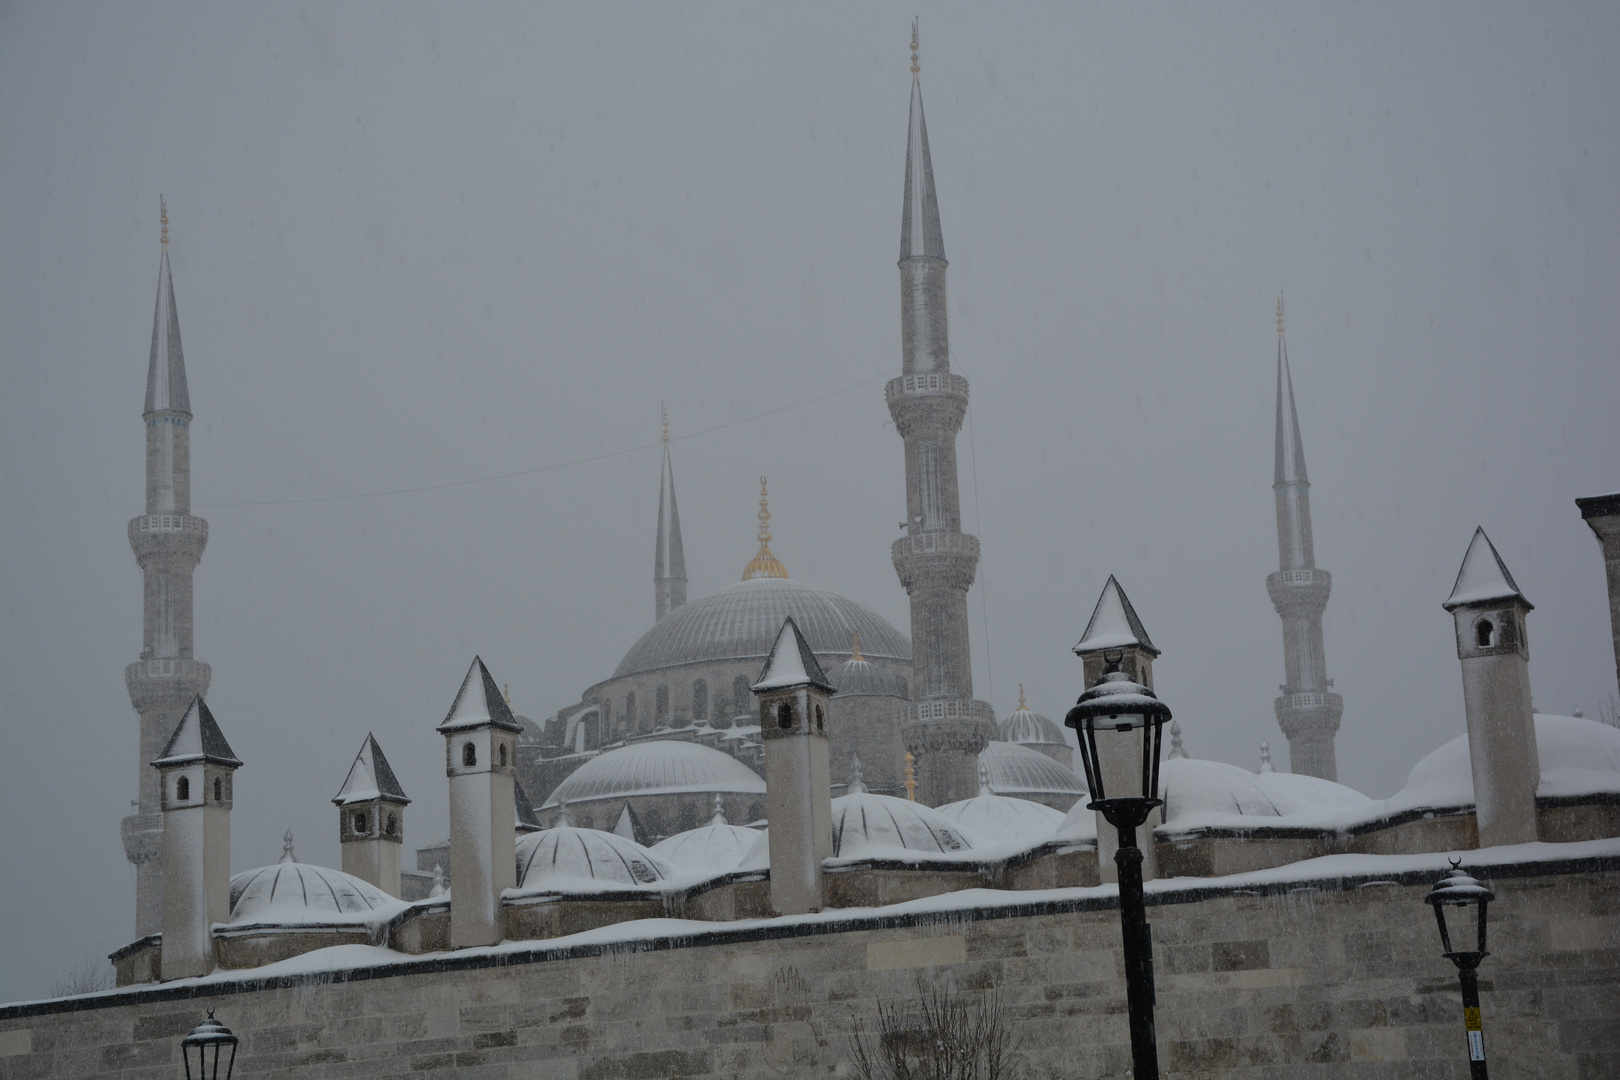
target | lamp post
[
  {"x": 1459, "y": 890},
  {"x": 1121, "y": 711},
  {"x": 204, "y": 1045}
]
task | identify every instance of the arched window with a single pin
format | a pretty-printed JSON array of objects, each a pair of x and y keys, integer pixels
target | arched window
[
  {"x": 784, "y": 715},
  {"x": 739, "y": 696},
  {"x": 661, "y": 705},
  {"x": 905, "y": 690},
  {"x": 821, "y": 719},
  {"x": 630, "y": 711},
  {"x": 1484, "y": 631},
  {"x": 219, "y": 788},
  {"x": 503, "y": 754},
  {"x": 469, "y": 755},
  {"x": 700, "y": 699},
  {"x": 182, "y": 789},
  {"x": 392, "y": 826},
  {"x": 360, "y": 824}
]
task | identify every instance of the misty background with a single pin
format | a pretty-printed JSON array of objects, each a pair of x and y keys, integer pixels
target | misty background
[{"x": 415, "y": 246}]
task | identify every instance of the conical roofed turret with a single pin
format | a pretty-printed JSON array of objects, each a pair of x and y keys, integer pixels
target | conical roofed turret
[
  {"x": 791, "y": 663},
  {"x": 478, "y": 703},
  {"x": 1114, "y": 624},
  {"x": 197, "y": 738},
  {"x": 370, "y": 777},
  {"x": 1483, "y": 577}
]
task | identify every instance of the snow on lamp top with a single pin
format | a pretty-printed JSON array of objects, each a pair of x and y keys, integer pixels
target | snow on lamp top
[{"x": 1483, "y": 577}]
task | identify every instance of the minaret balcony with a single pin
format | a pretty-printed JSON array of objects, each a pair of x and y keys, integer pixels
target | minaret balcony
[
  {"x": 930, "y": 559},
  {"x": 166, "y": 682},
  {"x": 168, "y": 534},
  {"x": 1299, "y": 592},
  {"x": 928, "y": 382}
]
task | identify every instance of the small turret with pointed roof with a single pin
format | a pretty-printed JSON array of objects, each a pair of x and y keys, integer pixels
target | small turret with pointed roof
[
  {"x": 480, "y": 757},
  {"x": 794, "y": 697},
  {"x": 1115, "y": 633},
  {"x": 195, "y": 778},
  {"x": 1488, "y": 612},
  {"x": 669, "y": 557},
  {"x": 1307, "y": 710},
  {"x": 371, "y": 818}
]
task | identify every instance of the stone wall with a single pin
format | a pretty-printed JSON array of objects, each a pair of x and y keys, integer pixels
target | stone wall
[{"x": 1330, "y": 978}]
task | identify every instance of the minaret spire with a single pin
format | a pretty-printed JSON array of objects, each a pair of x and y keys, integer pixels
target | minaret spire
[
  {"x": 168, "y": 543},
  {"x": 935, "y": 560},
  {"x": 1307, "y": 711},
  {"x": 669, "y": 559}
]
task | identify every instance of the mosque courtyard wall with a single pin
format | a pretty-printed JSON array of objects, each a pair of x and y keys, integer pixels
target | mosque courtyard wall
[{"x": 1267, "y": 976}]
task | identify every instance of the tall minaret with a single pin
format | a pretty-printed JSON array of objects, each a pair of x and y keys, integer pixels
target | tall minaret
[
  {"x": 168, "y": 543},
  {"x": 669, "y": 560},
  {"x": 1307, "y": 711},
  {"x": 936, "y": 560}
]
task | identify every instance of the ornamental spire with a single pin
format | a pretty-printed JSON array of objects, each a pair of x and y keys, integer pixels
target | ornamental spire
[
  {"x": 920, "y": 235},
  {"x": 669, "y": 556},
  {"x": 764, "y": 564},
  {"x": 166, "y": 371}
]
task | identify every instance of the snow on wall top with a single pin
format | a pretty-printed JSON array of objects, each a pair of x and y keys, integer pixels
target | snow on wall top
[
  {"x": 1483, "y": 577},
  {"x": 1114, "y": 624}
]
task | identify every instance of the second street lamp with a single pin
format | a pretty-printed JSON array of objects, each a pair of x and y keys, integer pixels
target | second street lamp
[
  {"x": 1459, "y": 890},
  {"x": 1119, "y": 723}
]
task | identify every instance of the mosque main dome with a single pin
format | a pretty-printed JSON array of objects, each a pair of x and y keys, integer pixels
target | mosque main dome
[{"x": 741, "y": 621}]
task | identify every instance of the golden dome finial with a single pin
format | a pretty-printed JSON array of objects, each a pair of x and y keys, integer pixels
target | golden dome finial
[
  {"x": 915, "y": 67},
  {"x": 663, "y": 414},
  {"x": 1021, "y": 706},
  {"x": 764, "y": 564},
  {"x": 506, "y": 692},
  {"x": 163, "y": 216},
  {"x": 855, "y": 652},
  {"x": 911, "y": 776},
  {"x": 1279, "y": 315}
]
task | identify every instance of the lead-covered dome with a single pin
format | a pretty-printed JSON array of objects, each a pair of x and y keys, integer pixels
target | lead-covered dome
[
  {"x": 741, "y": 621},
  {"x": 658, "y": 767},
  {"x": 1027, "y": 727},
  {"x": 294, "y": 892},
  {"x": 570, "y": 856},
  {"x": 998, "y": 819},
  {"x": 1011, "y": 769},
  {"x": 859, "y": 677},
  {"x": 865, "y": 825}
]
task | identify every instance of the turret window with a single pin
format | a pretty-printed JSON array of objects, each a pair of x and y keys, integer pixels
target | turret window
[
  {"x": 469, "y": 755},
  {"x": 219, "y": 790},
  {"x": 821, "y": 719},
  {"x": 182, "y": 789},
  {"x": 700, "y": 699},
  {"x": 1484, "y": 633},
  {"x": 392, "y": 826},
  {"x": 784, "y": 716},
  {"x": 503, "y": 754},
  {"x": 739, "y": 696},
  {"x": 360, "y": 824},
  {"x": 661, "y": 705}
]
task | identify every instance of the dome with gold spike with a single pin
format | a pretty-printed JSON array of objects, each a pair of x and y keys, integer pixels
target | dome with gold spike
[{"x": 764, "y": 565}]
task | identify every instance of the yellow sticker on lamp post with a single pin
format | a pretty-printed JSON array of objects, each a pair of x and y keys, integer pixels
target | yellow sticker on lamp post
[{"x": 1471, "y": 1020}]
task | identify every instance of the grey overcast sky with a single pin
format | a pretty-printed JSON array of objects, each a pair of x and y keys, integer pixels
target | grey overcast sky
[{"x": 417, "y": 245}]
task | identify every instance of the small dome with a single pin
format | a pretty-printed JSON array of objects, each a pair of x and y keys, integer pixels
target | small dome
[
  {"x": 661, "y": 766},
  {"x": 1194, "y": 789},
  {"x": 567, "y": 855},
  {"x": 713, "y": 847},
  {"x": 1577, "y": 757},
  {"x": 292, "y": 892},
  {"x": 997, "y": 819},
  {"x": 1016, "y": 770},
  {"x": 1027, "y": 727},
  {"x": 864, "y": 825},
  {"x": 858, "y": 676},
  {"x": 741, "y": 621}
]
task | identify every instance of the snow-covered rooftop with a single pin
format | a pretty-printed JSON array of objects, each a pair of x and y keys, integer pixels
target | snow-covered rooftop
[
  {"x": 1483, "y": 577},
  {"x": 479, "y": 703},
  {"x": 997, "y": 819},
  {"x": 197, "y": 738},
  {"x": 568, "y": 859},
  {"x": 659, "y": 766},
  {"x": 1114, "y": 624},
  {"x": 791, "y": 663},
  {"x": 370, "y": 777}
]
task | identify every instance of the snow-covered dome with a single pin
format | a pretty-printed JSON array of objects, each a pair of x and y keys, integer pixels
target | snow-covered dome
[
  {"x": 1024, "y": 725},
  {"x": 741, "y": 621},
  {"x": 995, "y": 818},
  {"x": 867, "y": 825},
  {"x": 1577, "y": 756},
  {"x": 719, "y": 845},
  {"x": 1016, "y": 770},
  {"x": 660, "y": 766},
  {"x": 858, "y": 676},
  {"x": 295, "y": 892},
  {"x": 567, "y": 855}
]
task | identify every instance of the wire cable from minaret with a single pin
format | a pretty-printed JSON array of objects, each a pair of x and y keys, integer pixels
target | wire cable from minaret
[{"x": 561, "y": 464}]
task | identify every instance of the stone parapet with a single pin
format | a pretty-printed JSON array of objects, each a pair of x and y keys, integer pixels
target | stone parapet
[
  {"x": 1299, "y": 592},
  {"x": 936, "y": 560},
  {"x": 166, "y": 682},
  {"x": 178, "y": 539}
]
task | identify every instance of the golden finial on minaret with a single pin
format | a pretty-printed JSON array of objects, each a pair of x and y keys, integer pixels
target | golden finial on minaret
[
  {"x": 163, "y": 215},
  {"x": 1279, "y": 315},
  {"x": 915, "y": 67},
  {"x": 764, "y": 564},
  {"x": 855, "y": 652},
  {"x": 911, "y": 776},
  {"x": 663, "y": 414},
  {"x": 506, "y": 692},
  {"x": 1021, "y": 706}
]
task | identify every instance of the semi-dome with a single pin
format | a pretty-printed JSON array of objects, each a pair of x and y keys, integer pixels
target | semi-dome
[
  {"x": 1020, "y": 772},
  {"x": 741, "y": 621},
  {"x": 658, "y": 767},
  {"x": 859, "y": 677},
  {"x": 871, "y": 826},
  {"x": 568, "y": 855},
  {"x": 998, "y": 819},
  {"x": 294, "y": 892},
  {"x": 1024, "y": 725}
]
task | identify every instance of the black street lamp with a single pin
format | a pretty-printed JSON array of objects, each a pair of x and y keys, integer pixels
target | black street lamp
[
  {"x": 1118, "y": 707},
  {"x": 1457, "y": 889},
  {"x": 205, "y": 1044}
]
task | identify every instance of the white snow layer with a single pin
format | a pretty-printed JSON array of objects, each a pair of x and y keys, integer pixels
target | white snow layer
[
  {"x": 1481, "y": 577},
  {"x": 998, "y": 818},
  {"x": 717, "y": 847}
]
